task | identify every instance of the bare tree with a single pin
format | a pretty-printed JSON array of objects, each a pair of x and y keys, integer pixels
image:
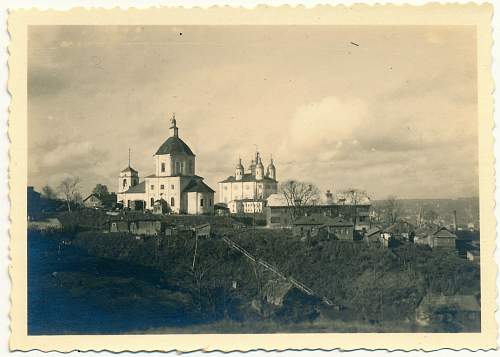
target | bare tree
[
  {"x": 69, "y": 188},
  {"x": 49, "y": 193},
  {"x": 298, "y": 195},
  {"x": 393, "y": 209}
]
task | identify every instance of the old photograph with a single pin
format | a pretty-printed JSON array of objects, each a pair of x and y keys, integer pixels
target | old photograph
[{"x": 253, "y": 179}]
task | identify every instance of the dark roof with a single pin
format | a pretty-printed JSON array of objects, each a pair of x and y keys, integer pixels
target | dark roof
[
  {"x": 339, "y": 222},
  {"x": 197, "y": 186},
  {"x": 313, "y": 220},
  {"x": 140, "y": 188},
  {"x": 128, "y": 168},
  {"x": 373, "y": 231},
  {"x": 444, "y": 233},
  {"x": 174, "y": 145},
  {"x": 248, "y": 178},
  {"x": 320, "y": 219}
]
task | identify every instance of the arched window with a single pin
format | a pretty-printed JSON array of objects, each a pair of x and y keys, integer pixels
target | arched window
[
  {"x": 162, "y": 167},
  {"x": 172, "y": 202},
  {"x": 124, "y": 183},
  {"x": 152, "y": 201}
]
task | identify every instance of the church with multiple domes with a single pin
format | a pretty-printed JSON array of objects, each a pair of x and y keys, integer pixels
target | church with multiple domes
[
  {"x": 247, "y": 191},
  {"x": 174, "y": 187}
]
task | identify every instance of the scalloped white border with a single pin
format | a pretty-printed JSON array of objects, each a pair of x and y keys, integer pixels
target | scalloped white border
[{"x": 358, "y": 14}]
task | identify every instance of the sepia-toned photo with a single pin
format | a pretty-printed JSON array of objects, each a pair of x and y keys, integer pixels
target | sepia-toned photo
[{"x": 192, "y": 179}]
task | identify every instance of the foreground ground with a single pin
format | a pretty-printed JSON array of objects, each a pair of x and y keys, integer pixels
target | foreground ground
[{"x": 112, "y": 283}]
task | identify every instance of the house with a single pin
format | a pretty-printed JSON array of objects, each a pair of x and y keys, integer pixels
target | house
[
  {"x": 440, "y": 308},
  {"x": 49, "y": 224},
  {"x": 373, "y": 235},
  {"x": 140, "y": 226},
  {"x": 340, "y": 228},
  {"x": 100, "y": 201},
  {"x": 160, "y": 207},
  {"x": 309, "y": 225},
  {"x": 401, "y": 230},
  {"x": 442, "y": 238},
  {"x": 221, "y": 209},
  {"x": 335, "y": 228},
  {"x": 202, "y": 230},
  {"x": 279, "y": 212},
  {"x": 246, "y": 205}
]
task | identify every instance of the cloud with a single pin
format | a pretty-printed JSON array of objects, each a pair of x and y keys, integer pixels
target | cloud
[{"x": 322, "y": 127}]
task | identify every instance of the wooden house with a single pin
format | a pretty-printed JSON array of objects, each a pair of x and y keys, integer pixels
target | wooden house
[
  {"x": 443, "y": 238},
  {"x": 202, "y": 230},
  {"x": 373, "y": 235},
  {"x": 335, "y": 228}
]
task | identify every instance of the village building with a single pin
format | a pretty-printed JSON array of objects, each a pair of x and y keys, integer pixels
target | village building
[
  {"x": 333, "y": 227},
  {"x": 141, "y": 226},
  {"x": 174, "y": 181},
  {"x": 279, "y": 212},
  {"x": 440, "y": 238},
  {"x": 246, "y": 191},
  {"x": 373, "y": 235},
  {"x": 100, "y": 201}
]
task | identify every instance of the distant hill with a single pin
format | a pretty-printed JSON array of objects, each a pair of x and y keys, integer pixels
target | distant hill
[{"x": 467, "y": 208}]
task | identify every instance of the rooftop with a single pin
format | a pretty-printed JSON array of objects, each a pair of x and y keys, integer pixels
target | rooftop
[
  {"x": 248, "y": 178},
  {"x": 174, "y": 145}
]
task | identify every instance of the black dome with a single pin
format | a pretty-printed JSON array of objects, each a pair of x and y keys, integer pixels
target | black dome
[{"x": 174, "y": 145}]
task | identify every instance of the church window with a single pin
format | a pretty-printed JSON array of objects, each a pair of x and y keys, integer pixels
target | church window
[
  {"x": 191, "y": 171},
  {"x": 202, "y": 202},
  {"x": 172, "y": 202},
  {"x": 124, "y": 183},
  {"x": 152, "y": 201},
  {"x": 183, "y": 167},
  {"x": 162, "y": 187},
  {"x": 152, "y": 187},
  {"x": 162, "y": 167},
  {"x": 172, "y": 187},
  {"x": 177, "y": 167}
]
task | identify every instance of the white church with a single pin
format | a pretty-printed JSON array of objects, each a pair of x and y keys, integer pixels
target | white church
[
  {"x": 174, "y": 187},
  {"x": 247, "y": 191}
]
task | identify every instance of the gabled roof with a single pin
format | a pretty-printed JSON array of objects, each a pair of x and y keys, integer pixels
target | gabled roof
[
  {"x": 129, "y": 169},
  {"x": 443, "y": 232},
  {"x": 248, "y": 178},
  {"x": 174, "y": 145},
  {"x": 197, "y": 186},
  {"x": 140, "y": 188},
  {"x": 372, "y": 231},
  {"x": 339, "y": 222}
]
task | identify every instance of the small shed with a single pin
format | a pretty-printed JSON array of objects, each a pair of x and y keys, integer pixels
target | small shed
[
  {"x": 373, "y": 235},
  {"x": 202, "y": 230},
  {"x": 443, "y": 238},
  {"x": 160, "y": 207}
]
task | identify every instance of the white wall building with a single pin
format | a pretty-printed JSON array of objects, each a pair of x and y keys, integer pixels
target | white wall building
[
  {"x": 246, "y": 192},
  {"x": 174, "y": 181}
]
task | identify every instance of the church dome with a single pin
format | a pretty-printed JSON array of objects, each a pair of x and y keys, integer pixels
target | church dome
[{"x": 174, "y": 145}]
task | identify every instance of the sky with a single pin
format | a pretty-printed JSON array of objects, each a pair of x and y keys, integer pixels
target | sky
[{"x": 388, "y": 109}]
